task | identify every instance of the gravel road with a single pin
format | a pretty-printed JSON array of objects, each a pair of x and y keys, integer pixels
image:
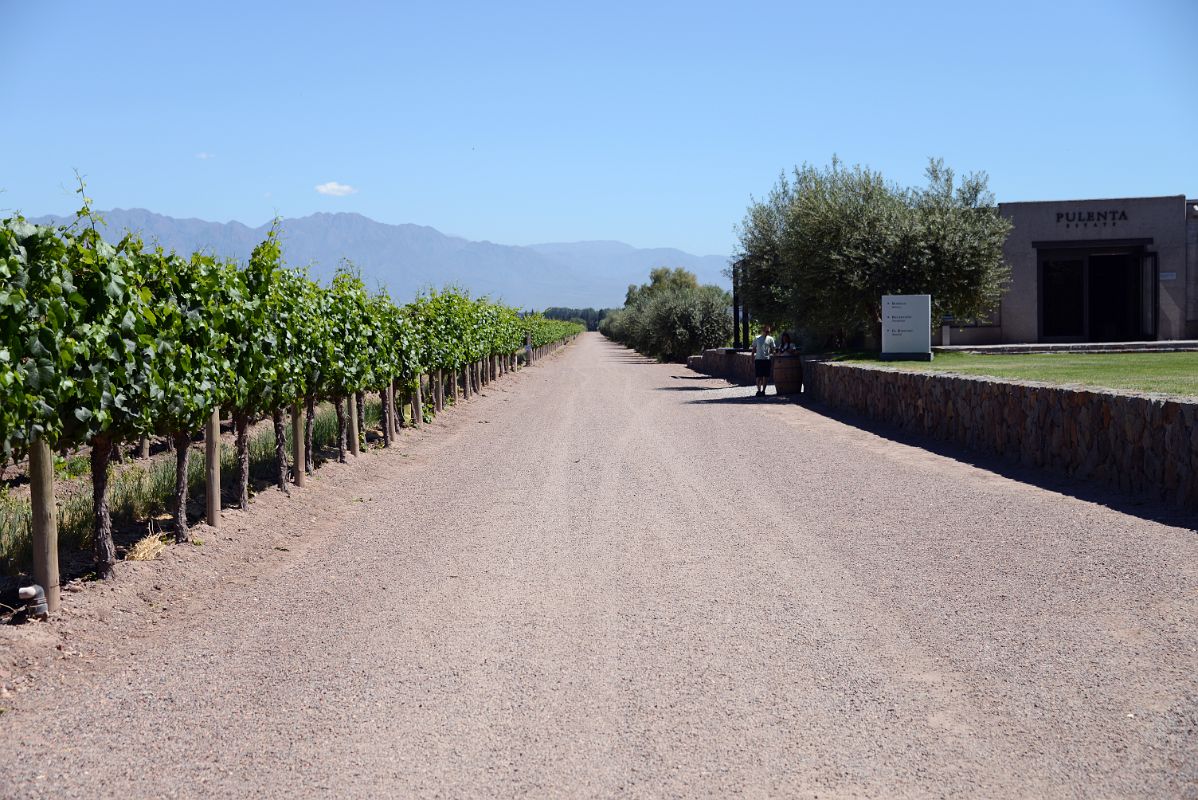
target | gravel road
[{"x": 609, "y": 577}]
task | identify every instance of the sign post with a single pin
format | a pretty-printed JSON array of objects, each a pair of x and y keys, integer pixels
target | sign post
[{"x": 907, "y": 327}]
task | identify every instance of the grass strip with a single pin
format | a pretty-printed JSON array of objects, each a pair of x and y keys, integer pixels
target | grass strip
[{"x": 1165, "y": 373}]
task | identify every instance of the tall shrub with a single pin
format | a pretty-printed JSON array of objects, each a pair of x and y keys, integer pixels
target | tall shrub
[
  {"x": 827, "y": 243},
  {"x": 671, "y": 316}
]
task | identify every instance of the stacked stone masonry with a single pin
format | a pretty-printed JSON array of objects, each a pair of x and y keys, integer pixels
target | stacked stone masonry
[
  {"x": 1140, "y": 444},
  {"x": 731, "y": 365},
  {"x": 1145, "y": 445}
]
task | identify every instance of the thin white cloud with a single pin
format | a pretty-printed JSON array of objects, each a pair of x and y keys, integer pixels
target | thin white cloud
[
  {"x": 204, "y": 156},
  {"x": 334, "y": 189}
]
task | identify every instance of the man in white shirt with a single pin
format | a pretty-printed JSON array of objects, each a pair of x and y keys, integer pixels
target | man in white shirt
[{"x": 763, "y": 348}]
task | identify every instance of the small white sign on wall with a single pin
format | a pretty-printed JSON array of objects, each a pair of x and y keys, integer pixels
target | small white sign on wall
[{"x": 907, "y": 326}]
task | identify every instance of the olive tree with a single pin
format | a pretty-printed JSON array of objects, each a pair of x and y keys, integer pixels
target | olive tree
[
  {"x": 671, "y": 316},
  {"x": 827, "y": 243}
]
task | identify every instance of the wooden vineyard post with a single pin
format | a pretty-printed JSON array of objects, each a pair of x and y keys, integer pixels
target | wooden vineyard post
[
  {"x": 352, "y": 433},
  {"x": 359, "y": 398},
  {"x": 212, "y": 469},
  {"x": 396, "y": 409},
  {"x": 439, "y": 396},
  {"x": 300, "y": 469},
  {"x": 45, "y": 521},
  {"x": 465, "y": 382},
  {"x": 388, "y": 410},
  {"x": 400, "y": 399},
  {"x": 417, "y": 406}
]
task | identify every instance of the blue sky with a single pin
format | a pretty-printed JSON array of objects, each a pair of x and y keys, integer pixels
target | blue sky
[{"x": 650, "y": 123}]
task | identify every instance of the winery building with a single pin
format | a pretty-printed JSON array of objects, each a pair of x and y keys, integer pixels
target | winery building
[{"x": 1120, "y": 270}]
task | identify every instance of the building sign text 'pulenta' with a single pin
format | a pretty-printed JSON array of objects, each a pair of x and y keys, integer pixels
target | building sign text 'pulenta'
[{"x": 1091, "y": 219}]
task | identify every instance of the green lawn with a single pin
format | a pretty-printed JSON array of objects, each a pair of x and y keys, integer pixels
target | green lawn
[{"x": 1168, "y": 373}]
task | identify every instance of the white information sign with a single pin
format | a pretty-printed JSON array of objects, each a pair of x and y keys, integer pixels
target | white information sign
[{"x": 907, "y": 326}]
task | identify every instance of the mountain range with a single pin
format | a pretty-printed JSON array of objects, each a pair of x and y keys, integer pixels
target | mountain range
[{"x": 408, "y": 258}]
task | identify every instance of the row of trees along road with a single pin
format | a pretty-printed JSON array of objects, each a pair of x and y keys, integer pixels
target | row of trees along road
[
  {"x": 591, "y": 317},
  {"x": 671, "y": 316},
  {"x": 825, "y": 244},
  {"x": 102, "y": 343}
]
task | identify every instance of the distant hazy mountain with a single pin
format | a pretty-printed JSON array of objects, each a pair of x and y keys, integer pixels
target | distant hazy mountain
[
  {"x": 624, "y": 264},
  {"x": 408, "y": 258}
]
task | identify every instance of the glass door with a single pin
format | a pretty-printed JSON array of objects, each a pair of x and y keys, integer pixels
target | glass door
[{"x": 1063, "y": 297}]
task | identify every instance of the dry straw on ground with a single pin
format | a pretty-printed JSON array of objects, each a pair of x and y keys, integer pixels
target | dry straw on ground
[{"x": 147, "y": 548}]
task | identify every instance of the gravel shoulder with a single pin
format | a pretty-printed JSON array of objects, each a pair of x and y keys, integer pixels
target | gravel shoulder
[{"x": 612, "y": 577}]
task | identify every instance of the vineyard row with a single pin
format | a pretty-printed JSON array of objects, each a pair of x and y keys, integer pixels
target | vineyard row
[{"x": 107, "y": 343}]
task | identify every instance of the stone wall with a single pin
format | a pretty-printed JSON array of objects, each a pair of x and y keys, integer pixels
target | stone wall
[
  {"x": 731, "y": 365},
  {"x": 1140, "y": 444}
]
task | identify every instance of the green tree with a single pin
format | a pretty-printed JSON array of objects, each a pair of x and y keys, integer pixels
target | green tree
[
  {"x": 590, "y": 317},
  {"x": 671, "y": 316},
  {"x": 826, "y": 244}
]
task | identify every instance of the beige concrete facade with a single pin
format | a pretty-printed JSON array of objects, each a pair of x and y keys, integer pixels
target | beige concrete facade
[{"x": 1123, "y": 269}]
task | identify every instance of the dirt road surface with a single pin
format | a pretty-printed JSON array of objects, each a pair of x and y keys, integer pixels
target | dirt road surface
[{"x": 608, "y": 577}]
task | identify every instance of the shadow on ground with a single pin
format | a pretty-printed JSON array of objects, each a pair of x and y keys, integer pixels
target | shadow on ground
[
  {"x": 621, "y": 359},
  {"x": 745, "y": 399},
  {"x": 1143, "y": 507},
  {"x": 688, "y": 388}
]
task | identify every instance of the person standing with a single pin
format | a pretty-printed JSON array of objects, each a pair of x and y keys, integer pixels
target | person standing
[{"x": 763, "y": 348}]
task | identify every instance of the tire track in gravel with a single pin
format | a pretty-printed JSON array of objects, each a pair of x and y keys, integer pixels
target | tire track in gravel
[{"x": 611, "y": 577}]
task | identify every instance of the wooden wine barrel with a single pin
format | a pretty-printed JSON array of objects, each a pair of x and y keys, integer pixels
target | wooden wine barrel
[{"x": 788, "y": 374}]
